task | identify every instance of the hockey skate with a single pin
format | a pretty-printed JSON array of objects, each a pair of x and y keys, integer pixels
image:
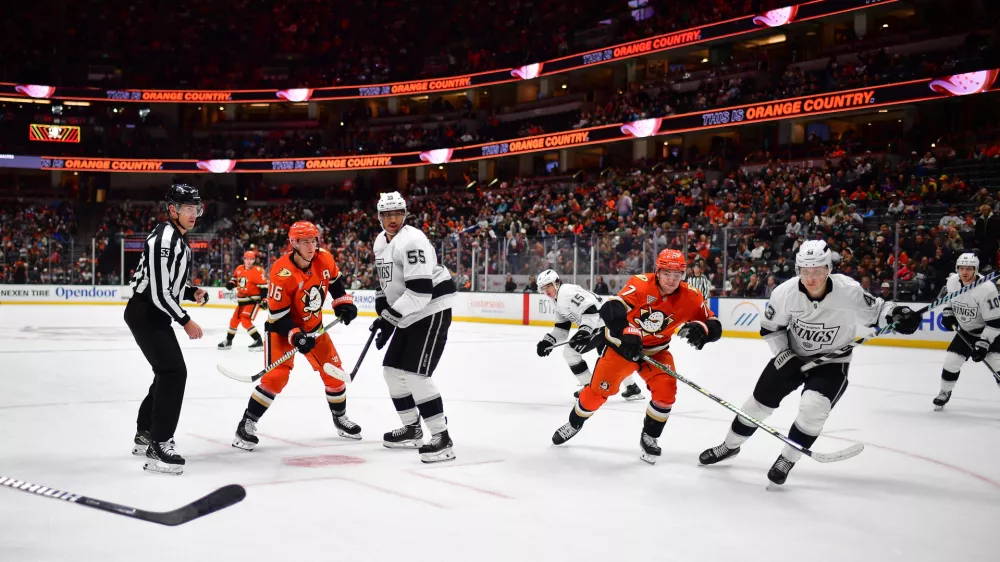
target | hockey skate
[
  {"x": 346, "y": 428},
  {"x": 225, "y": 345},
  {"x": 406, "y": 437},
  {"x": 140, "y": 443},
  {"x": 246, "y": 434},
  {"x": 717, "y": 454},
  {"x": 438, "y": 449},
  {"x": 258, "y": 345},
  {"x": 163, "y": 459},
  {"x": 779, "y": 470},
  {"x": 650, "y": 448},
  {"x": 942, "y": 398},
  {"x": 632, "y": 392},
  {"x": 565, "y": 433}
]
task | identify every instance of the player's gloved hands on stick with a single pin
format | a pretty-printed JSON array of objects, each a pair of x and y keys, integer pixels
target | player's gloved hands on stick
[
  {"x": 302, "y": 342},
  {"x": 544, "y": 347},
  {"x": 580, "y": 342},
  {"x": 385, "y": 325},
  {"x": 696, "y": 334},
  {"x": 631, "y": 344},
  {"x": 907, "y": 320},
  {"x": 980, "y": 350},
  {"x": 345, "y": 309},
  {"x": 949, "y": 321},
  {"x": 787, "y": 364}
]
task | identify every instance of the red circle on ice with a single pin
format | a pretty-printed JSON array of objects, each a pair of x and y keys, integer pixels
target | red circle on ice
[{"x": 321, "y": 460}]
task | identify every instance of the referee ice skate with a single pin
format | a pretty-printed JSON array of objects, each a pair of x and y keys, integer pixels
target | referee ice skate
[{"x": 160, "y": 280}]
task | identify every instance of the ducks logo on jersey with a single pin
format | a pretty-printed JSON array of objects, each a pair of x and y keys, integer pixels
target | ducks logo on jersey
[
  {"x": 653, "y": 321},
  {"x": 313, "y": 300}
]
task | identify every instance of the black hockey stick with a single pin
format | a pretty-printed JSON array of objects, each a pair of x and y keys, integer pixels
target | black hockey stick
[
  {"x": 364, "y": 352},
  {"x": 219, "y": 499},
  {"x": 847, "y": 453},
  {"x": 260, "y": 374},
  {"x": 838, "y": 353},
  {"x": 988, "y": 366}
]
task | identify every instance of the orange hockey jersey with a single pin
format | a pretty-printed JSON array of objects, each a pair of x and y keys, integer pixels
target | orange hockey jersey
[
  {"x": 298, "y": 294},
  {"x": 251, "y": 284},
  {"x": 659, "y": 316}
]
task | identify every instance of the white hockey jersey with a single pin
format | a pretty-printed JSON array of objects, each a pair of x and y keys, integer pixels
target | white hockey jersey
[
  {"x": 575, "y": 305},
  {"x": 411, "y": 280},
  {"x": 978, "y": 310},
  {"x": 792, "y": 320}
]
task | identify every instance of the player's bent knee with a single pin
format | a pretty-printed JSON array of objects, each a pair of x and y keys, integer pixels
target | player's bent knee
[
  {"x": 953, "y": 362},
  {"x": 570, "y": 354},
  {"x": 395, "y": 380},
  {"x": 275, "y": 381},
  {"x": 814, "y": 409},
  {"x": 756, "y": 410}
]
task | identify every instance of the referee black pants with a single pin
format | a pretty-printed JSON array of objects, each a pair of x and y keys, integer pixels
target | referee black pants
[{"x": 160, "y": 410}]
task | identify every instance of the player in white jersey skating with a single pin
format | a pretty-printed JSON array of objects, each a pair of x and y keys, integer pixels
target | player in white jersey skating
[
  {"x": 975, "y": 316},
  {"x": 414, "y": 308},
  {"x": 576, "y": 305},
  {"x": 808, "y": 316}
]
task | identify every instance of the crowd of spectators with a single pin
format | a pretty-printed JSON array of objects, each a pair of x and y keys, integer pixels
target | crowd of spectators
[{"x": 37, "y": 243}]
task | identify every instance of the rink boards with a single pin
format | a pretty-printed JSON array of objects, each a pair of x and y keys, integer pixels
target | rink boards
[{"x": 740, "y": 317}]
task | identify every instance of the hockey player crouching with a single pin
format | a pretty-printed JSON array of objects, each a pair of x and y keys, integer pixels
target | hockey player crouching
[
  {"x": 574, "y": 304},
  {"x": 975, "y": 315},
  {"x": 808, "y": 316},
  {"x": 639, "y": 321}
]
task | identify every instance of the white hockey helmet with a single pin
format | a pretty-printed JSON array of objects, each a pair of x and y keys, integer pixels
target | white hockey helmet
[
  {"x": 968, "y": 259},
  {"x": 814, "y": 253},
  {"x": 391, "y": 201},
  {"x": 547, "y": 277}
]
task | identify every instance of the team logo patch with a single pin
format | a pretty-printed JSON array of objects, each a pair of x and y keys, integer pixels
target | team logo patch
[
  {"x": 813, "y": 335},
  {"x": 284, "y": 272},
  {"x": 652, "y": 321},
  {"x": 384, "y": 270},
  {"x": 650, "y": 299},
  {"x": 966, "y": 312},
  {"x": 313, "y": 300},
  {"x": 605, "y": 386},
  {"x": 769, "y": 311}
]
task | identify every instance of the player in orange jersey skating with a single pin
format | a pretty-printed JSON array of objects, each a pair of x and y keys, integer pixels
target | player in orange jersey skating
[
  {"x": 250, "y": 282},
  {"x": 299, "y": 283},
  {"x": 639, "y": 321}
]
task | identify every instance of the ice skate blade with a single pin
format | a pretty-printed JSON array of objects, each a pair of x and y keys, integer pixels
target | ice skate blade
[
  {"x": 244, "y": 445},
  {"x": 440, "y": 456},
  {"x": 773, "y": 487},
  {"x": 939, "y": 408},
  {"x": 345, "y": 435},
  {"x": 261, "y": 348},
  {"x": 408, "y": 444},
  {"x": 651, "y": 459},
  {"x": 163, "y": 468},
  {"x": 139, "y": 450}
]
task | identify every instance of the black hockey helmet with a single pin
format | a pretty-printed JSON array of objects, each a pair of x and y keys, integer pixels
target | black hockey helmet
[{"x": 184, "y": 194}]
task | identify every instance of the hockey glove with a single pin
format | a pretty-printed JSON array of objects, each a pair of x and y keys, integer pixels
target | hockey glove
[
  {"x": 980, "y": 350},
  {"x": 230, "y": 285},
  {"x": 302, "y": 342},
  {"x": 907, "y": 321},
  {"x": 345, "y": 308},
  {"x": 263, "y": 303},
  {"x": 381, "y": 303},
  {"x": 949, "y": 321},
  {"x": 787, "y": 364},
  {"x": 631, "y": 344},
  {"x": 544, "y": 347},
  {"x": 384, "y": 330},
  {"x": 696, "y": 334},
  {"x": 580, "y": 342}
]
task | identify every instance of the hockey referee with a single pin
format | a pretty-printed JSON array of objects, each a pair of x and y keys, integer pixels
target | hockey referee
[{"x": 160, "y": 280}]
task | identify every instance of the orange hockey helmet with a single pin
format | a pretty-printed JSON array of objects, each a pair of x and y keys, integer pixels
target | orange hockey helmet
[
  {"x": 671, "y": 260},
  {"x": 249, "y": 255},
  {"x": 303, "y": 229}
]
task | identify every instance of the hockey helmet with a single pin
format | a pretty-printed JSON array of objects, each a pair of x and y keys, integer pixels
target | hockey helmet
[
  {"x": 392, "y": 201},
  {"x": 671, "y": 260},
  {"x": 303, "y": 229},
  {"x": 968, "y": 259},
  {"x": 249, "y": 255},
  {"x": 184, "y": 194},
  {"x": 546, "y": 278},
  {"x": 814, "y": 253}
]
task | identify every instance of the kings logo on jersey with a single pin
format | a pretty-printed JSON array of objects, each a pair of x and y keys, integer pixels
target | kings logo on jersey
[
  {"x": 968, "y": 313},
  {"x": 384, "y": 269},
  {"x": 814, "y": 336},
  {"x": 653, "y": 321}
]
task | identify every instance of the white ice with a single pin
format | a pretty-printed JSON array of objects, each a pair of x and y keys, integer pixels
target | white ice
[{"x": 927, "y": 486}]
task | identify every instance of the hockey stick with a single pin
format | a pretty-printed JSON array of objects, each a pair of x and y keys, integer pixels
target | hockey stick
[
  {"x": 288, "y": 355},
  {"x": 988, "y": 366},
  {"x": 364, "y": 352},
  {"x": 219, "y": 499},
  {"x": 839, "y": 353},
  {"x": 847, "y": 453}
]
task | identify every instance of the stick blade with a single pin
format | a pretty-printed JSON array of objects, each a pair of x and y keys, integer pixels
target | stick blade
[
  {"x": 233, "y": 374},
  {"x": 852, "y": 451},
  {"x": 222, "y": 498}
]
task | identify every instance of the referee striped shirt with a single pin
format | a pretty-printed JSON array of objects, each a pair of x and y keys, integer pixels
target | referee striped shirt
[
  {"x": 701, "y": 284},
  {"x": 163, "y": 272}
]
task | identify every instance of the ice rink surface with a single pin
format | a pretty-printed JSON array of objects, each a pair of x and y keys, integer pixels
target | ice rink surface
[{"x": 927, "y": 486}]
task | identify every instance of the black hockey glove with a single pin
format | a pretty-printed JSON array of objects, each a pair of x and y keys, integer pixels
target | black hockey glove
[
  {"x": 696, "y": 334},
  {"x": 631, "y": 344},
  {"x": 385, "y": 325},
  {"x": 787, "y": 364},
  {"x": 907, "y": 321},
  {"x": 345, "y": 308},
  {"x": 581, "y": 340},
  {"x": 949, "y": 321},
  {"x": 302, "y": 341},
  {"x": 230, "y": 285},
  {"x": 980, "y": 350},
  {"x": 544, "y": 347},
  {"x": 381, "y": 303},
  {"x": 263, "y": 303}
]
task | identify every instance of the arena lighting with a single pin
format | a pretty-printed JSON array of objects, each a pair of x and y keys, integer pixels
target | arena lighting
[
  {"x": 741, "y": 26},
  {"x": 493, "y": 182},
  {"x": 471, "y": 183}
]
